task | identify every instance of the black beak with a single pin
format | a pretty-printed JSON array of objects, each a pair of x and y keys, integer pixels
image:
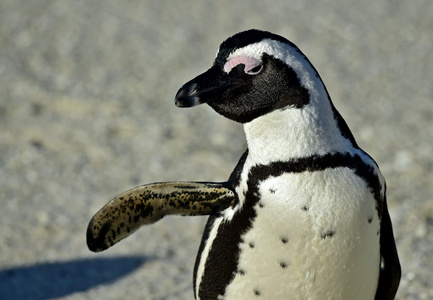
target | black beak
[{"x": 209, "y": 86}]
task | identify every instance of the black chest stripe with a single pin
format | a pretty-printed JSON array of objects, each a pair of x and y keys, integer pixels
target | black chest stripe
[
  {"x": 319, "y": 163},
  {"x": 222, "y": 263}
]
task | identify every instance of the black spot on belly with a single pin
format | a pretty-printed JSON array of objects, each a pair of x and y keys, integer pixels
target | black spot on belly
[
  {"x": 261, "y": 205},
  {"x": 283, "y": 264},
  {"x": 284, "y": 240},
  {"x": 241, "y": 272},
  {"x": 251, "y": 244},
  {"x": 370, "y": 220},
  {"x": 257, "y": 292},
  {"x": 305, "y": 208},
  {"x": 328, "y": 234},
  {"x": 272, "y": 191}
]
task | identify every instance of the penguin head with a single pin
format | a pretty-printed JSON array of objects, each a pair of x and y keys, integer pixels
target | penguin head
[
  {"x": 255, "y": 72},
  {"x": 258, "y": 72}
]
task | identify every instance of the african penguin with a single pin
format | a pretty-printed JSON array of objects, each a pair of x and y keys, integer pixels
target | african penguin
[{"x": 302, "y": 216}]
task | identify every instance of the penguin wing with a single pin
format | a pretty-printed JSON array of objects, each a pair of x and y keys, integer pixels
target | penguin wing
[
  {"x": 390, "y": 271},
  {"x": 149, "y": 203}
]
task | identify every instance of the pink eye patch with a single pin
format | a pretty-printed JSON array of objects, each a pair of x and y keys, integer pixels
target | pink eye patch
[{"x": 250, "y": 63}]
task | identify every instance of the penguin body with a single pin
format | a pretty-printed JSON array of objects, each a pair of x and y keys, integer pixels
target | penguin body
[
  {"x": 303, "y": 215},
  {"x": 294, "y": 238}
]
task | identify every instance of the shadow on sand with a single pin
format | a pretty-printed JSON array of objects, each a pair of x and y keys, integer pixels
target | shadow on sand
[{"x": 59, "y": 279}]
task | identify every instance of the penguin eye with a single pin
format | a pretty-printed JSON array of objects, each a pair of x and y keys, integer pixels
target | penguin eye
[
  {"x": 252, "y": 66},
  {"x": 254, "y": 70}
]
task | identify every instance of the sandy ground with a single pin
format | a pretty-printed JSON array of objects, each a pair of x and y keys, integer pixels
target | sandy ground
[{"x": 87, "y": 112}]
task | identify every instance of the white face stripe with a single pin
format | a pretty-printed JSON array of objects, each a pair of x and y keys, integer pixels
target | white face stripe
[{"x": 287, "y": 54}]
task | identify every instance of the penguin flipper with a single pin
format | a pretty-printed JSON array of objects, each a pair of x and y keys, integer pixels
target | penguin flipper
[
  {"x": 390, "y": 271},
  {"x": 146, "y": 204}
]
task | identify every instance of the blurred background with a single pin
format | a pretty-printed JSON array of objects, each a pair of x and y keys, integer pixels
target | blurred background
[{"x": 87, "y": 112}]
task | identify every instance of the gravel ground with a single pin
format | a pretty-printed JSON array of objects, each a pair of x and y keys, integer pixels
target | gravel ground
[{"x": 87, "y": 112}]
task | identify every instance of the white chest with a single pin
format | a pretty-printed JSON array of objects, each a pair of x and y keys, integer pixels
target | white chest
[{"x": 315, "y": 236}]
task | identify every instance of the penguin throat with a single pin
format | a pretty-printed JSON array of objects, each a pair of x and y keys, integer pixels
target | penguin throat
[{"x": 292, "y": 133}]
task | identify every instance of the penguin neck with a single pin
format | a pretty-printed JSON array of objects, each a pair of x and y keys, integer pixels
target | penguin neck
[{"x": 292, "y": 133}]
